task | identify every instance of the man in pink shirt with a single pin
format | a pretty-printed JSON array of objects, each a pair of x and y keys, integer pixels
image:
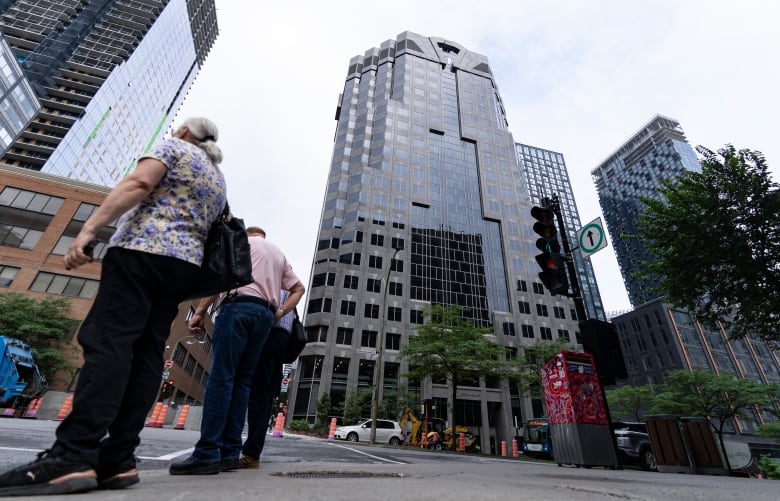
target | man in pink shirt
[{"x": 240, "y": 332}]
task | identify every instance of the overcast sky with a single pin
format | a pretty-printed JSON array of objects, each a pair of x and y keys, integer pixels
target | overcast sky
[{"x": 577, "y": 77}]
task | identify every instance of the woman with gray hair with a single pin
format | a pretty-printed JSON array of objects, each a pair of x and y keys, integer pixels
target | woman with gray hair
[{"x": 167, "y": 205}]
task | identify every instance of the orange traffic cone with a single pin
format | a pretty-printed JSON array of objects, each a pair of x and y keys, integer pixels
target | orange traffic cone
[
  {"x": 279, "y": 426},
  {"x": 332, "y": 431},
  {"x": 155, "y": 414},
  {"x": 503, "y": 448},
  {"x": 515, "y": 451},
  {"x": 182, "y": 418},
  {"x": 67, "y": 406},
  {"x": 161, "y": 418},
  {"x": 32, "y": 410},
  {"x": 8, "y": 412},
  {"x": 462, "y": 443}
]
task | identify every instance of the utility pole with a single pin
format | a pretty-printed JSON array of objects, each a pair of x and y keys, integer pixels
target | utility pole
[{"x": 380, "y": 350}]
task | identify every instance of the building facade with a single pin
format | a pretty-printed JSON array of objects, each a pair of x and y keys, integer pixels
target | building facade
[
  {"x": 658, "y": 152},
  {"x": 108, "y": 77},
  {"x": 657, "y": 338},
  {"x": 18, "y": 104},
  {"x": 425, "y": 204},
  {"x": 40, "y": 215},
  {"x": 547, "y": 176}
]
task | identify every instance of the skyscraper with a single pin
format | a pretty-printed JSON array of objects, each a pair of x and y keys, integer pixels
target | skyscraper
[
  {"x": 425, "y": 204},
  {"x": 109, "y": 76},
  {"x": 657, "y": 152},
  {"x": 547, "y": 175}
]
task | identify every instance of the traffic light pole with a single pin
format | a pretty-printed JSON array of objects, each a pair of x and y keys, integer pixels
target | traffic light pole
[{"x": 576, "y": 294}]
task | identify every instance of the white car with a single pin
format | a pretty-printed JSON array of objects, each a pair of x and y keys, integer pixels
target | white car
[{"x": 387, "y": 432}]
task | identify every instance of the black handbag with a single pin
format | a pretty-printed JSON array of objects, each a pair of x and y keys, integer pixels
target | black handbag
[
  {"x": 296, "y": 341},
  {"x": 227, "y": 263}
]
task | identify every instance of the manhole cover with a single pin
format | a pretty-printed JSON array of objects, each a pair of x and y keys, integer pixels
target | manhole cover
[{"x": 337, "y": 474}]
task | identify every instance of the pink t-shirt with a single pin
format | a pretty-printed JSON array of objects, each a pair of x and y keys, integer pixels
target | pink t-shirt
[{"x": 271, "y": 272}]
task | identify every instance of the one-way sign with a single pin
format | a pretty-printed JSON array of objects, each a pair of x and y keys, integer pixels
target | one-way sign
[{"x": 591, "y": 237}]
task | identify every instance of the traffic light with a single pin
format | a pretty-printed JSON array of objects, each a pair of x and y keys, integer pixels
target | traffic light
[{"x": 552, "y": 263}]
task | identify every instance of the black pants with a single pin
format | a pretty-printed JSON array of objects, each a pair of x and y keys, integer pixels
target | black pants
[{"x": 123, "y": 338}]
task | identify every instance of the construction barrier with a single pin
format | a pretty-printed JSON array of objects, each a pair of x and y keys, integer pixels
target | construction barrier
[
  {"x": 32, "y": 409},
  {"x": 8, "y": 412},
  {"x": 503, "y": 448},
  {"x": 67, "y": 406},
  {"x": 182, "y": 418},
  {"x": 155, "y": 415},
  {"x": 161, "y": 418},
  {"x": 332, "y": 431},
  {"x": 515, "y": 451},
  {"x": 279, "y": 426},
  {"x": 462, "y": 443}
]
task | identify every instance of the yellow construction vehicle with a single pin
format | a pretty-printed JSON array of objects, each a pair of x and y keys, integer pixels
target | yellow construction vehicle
[{"x": 422, "y": 428}]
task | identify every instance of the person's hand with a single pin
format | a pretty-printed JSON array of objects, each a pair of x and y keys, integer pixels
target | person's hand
[
  {"x": 278, "y": 315},
  {"x": 80, "y": 251},
  {"x": 195, "y": 325}
]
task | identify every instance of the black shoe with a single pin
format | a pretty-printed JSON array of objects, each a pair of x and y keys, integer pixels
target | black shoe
[
  {"x": 191, "y": 466},
  {"x": 118, "y": 476},
  {"x": 229, "y": 464},
  {"x": 49, "y": 474}
]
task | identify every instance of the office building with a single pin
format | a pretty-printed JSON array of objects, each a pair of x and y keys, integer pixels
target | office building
[
  {"x": 18, "y": 104},
  {"x": 108, "y": 78},
  {"x": 40, "y": 215},
  {"x": 657, "y": 152},
  {"x": 425, "y": 204},
  {"x": 657, "y": 338},
  {"x": 547, "y": 176}
]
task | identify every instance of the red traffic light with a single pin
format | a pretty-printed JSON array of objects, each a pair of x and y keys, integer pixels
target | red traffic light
[
  {"x": 170, "y": 382},
  {"x": 550, "y": 261}
]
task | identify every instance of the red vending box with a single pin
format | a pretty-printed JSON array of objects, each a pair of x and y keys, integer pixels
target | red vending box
[{"x": 577, "y": 413}]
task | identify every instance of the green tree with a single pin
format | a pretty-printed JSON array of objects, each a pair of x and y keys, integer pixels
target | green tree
[
  {"x": 43, "y": 324},
  {"x": 527, "y": 373},
  {"x": 770, "y": 430},
  {"x": 323, "y": 409},
  {"x": 394, "y": 401},
  {"x": 448, "y": 346},
  {"x": 720, "y": 397},
  {"x": 715, "y": 238},
  {"x": 630, "y": 401},
  {"x": 357, "y": 404}
]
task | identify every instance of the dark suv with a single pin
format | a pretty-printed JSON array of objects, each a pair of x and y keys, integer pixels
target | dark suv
[{"x": 634, "y": 444}]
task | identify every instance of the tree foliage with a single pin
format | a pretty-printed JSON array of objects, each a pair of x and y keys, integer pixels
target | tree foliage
[
  {"x": 448, "y": 346},
  {"x": 715, "y": 238},
  {"x": 394, "y": 401},
  {"x": 43, "y": 324},
  {"x": 323, "y": 408},
  {"x": 720, "y": 397},
  {"x": 357, "y": 405},
  {"x": 527, "y": 371},
  {"x": 631, "y": 402}
]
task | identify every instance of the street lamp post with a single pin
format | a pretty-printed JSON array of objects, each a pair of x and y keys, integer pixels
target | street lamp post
[{"x": 380, "y": 350}]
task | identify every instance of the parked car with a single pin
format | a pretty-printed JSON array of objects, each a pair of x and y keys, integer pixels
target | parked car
[
  {"x": 634, "y": 444},
  {"x": 387, "y": 432}
]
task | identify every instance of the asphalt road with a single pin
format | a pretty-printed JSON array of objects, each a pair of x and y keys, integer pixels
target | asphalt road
[{"x": 315, "y": 469}]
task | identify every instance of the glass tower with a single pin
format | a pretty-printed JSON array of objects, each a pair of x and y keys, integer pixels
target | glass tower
[
  {"x": 425, "y": 204},
  {"x": 109, "y": 76},
  {"x": 656, "y": 153},
  {"x": 547, "y": 176}
]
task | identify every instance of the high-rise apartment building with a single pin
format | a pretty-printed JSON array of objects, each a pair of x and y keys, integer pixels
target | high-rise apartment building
[
  {"x": 657, "y": 152},
  {"x": 108, "y": 75},
  {"x": 547, "y": 176},
  {"x": 425, "y": 204}
]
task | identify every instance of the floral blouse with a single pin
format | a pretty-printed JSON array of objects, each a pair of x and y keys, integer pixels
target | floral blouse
[{"x": 175, "y": 218}]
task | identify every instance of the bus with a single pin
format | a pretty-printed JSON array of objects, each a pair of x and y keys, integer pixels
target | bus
[{"x": 536, "y": 439}]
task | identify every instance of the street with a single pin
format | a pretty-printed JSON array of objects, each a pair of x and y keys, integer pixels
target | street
[{"x": 314, "y": 468}]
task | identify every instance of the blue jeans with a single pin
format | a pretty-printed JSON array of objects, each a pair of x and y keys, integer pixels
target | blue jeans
[
  {"x": 266, "y": 384},
  {"x": 240, "y": 332}
]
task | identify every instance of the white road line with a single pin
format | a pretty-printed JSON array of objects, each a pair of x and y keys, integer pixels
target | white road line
[
  {"x": 19, "y": 449},
  {"x": 367, "y": 454},
  {"x": 168, "y": 457}
]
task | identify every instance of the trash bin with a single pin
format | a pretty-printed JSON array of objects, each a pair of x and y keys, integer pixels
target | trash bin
[
  {"x": 579, "y": 427},
  {"x": 685, "y": 445}
]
